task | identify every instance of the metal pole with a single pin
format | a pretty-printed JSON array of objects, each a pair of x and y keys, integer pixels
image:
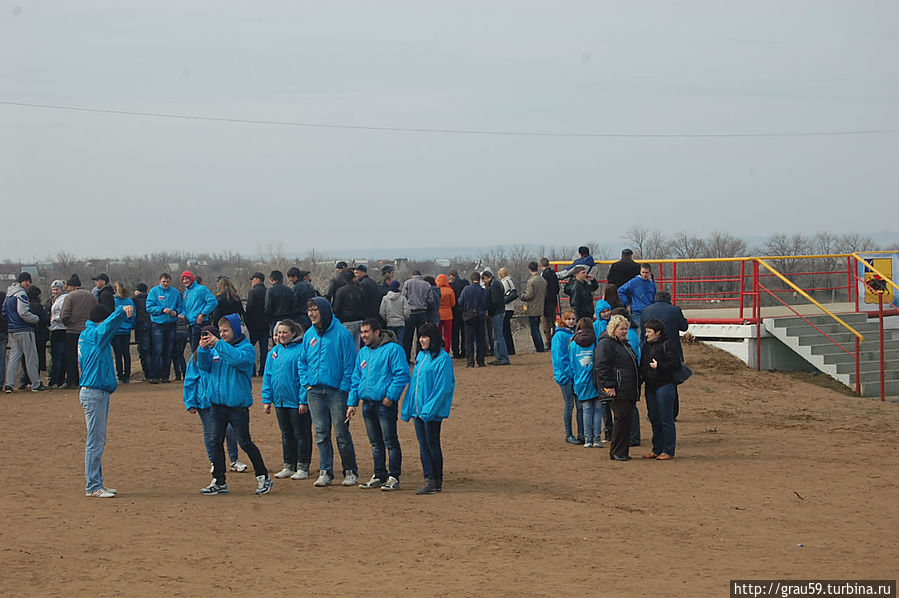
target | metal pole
[
  {"x": 849, "y": 281},
  {"x": 757, "y": 304},
  {"x": 856, "y": 290},
  {"x": 880, "y": 310},
  {"x": 674, "y": 283},
  {"x": 742, "y": 273},
  {"x": 858, "y": 378}
]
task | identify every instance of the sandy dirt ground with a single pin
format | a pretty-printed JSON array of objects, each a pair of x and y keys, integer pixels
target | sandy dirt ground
[{"x": 776, "y": 476}]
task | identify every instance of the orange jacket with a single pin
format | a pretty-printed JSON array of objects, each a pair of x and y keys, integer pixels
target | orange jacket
[{"x": 447, "y": 297}]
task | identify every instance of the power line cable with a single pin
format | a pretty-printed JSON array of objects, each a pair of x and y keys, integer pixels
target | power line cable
[{"x": 445, "y": 131}]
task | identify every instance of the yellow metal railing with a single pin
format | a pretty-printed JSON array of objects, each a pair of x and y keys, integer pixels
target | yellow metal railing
[{"x": 875, "y": 270}]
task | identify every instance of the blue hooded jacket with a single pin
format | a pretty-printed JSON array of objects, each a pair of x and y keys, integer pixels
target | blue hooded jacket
[
  {"x": 381, "y": 372},
  {"x": 599, "y": 324},
  {"x": 430, "y": 394},
  {"x": 281, "y": 381},
  {"x": 581, "y": 356},
  {"x": 95, "y": 352},
  {"x": 198, "y": 300},
  {"x": 158, "y": 299},
  {"x": 561, "y": 359},
  {"x": 196, "y": 382},
  {"x": 230, "y": 369},
  {"x": 637, "y": 293},
  {"x": 128, "y": 325},
  {"x": 328, "y": 354}
]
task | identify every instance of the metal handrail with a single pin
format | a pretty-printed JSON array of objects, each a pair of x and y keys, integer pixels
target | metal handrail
[
  {"x": 874, "y": 270},
  {"x": 790, "y": 283}
]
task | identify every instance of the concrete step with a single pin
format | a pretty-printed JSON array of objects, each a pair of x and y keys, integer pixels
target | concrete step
[
  {"x": 873, "y": 389},
  {"x": 847, "y": 340},
  {"x": 833, "y": 358},
  {"x": 830, "y": 348},
  {"x": 867, "y": 328},
  {"x": 864, "y": 366},
  {"x": 869, "y": 377},
  {"x": 852, "y": 319}
]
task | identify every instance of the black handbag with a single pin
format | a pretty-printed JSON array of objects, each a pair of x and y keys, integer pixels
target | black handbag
[
  {"x": 469, "y": 314},
  {"x": 511, "y": 295},
  {"x": 681, "y": 374}
]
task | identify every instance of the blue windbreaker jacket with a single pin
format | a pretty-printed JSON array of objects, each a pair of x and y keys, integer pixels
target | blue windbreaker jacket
[
  {"x": 637, "y": 293},
  {"x": 281, "y": 380},
  {"x": 128, "y": 325},
  {"x": 561, "y": 358},
  {"x": 158, "y": 299},
  {"x": 430, "y": 394},
  {"x": 198, "y": 300},
  {"x": 95, "y": 352},
  {"x": 379, "y": 373},
  {"x": 327, "y": 359},
  {"x": 582, "y": 371},
  {"x": 229, "y": 370},
  {"x": 196, "y": 382}
]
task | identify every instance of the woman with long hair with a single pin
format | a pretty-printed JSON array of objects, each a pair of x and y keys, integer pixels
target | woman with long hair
[
  {"x": 228, "y": 299},
  {"x": 121, "y": 342},
  {"x": 508, "y": 285}
]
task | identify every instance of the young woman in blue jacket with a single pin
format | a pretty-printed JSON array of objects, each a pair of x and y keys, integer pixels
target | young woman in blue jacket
[
  {"x": 281, "y": 388},
  {"x": 428, "y": 401},
  {"x": 580, "y": 351},
  {"x": 562, "y": 375},
  {"x": 121, "y": 342}
]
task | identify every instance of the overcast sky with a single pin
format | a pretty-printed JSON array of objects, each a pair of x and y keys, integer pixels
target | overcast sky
[{"x": 98, "y": 185}]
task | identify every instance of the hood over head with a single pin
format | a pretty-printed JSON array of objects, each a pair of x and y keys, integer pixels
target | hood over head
[
  {"x": 324, "y": 309},
  {"x": 234, "y": 321},
  {"x": 601, "y": 305},
  {"x": 443, "y": 280},
  {"x": 584, "y": 337}
]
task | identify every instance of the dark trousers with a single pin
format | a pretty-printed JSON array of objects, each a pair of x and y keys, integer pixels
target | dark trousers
[
  {"x": 121, "y": 348},
  {"x": 458, "y": 342},
  {"x": 261, "y": 342},
  {"x": 162, "y": 338},
  {"x": 71, "y": 358},
  {"x": 475, "y": 338},
  {"x": 57, "y": 357},
  {"x": 178, "y": 362},
  {"x": 230, "y": 436},
  {"x": 623, "y": 412},
  {"x": 507, "y": 332},
  {"x": 239, "y": 418},
  {"x": 296, "y": 437},
  {"x": 194, "y": 333},
  {"x": 428, "y": 434},
  {"x": 142, "y": 338},
  {"x": 416, "y": 320},
  {"x": 534, "y": 323},
  {"x": 380, "y": 424}
]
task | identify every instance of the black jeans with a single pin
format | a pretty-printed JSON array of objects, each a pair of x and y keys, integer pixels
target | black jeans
[
  {"x": 458, "y": 333},
  {"x": 121, "y": 347},
  {"x": 296, "y": 437},
  {"x": 475, "y": 337},
  {"x": 178, "y": 362},
  {"x": 261, "y": 342},
  {"x": 416, "y": 320},
  {"x": 71, "y": 358},
  {"x": 428, "y": 434},
  {"x": 507, "y": 332},
  {"x": 623, "y": 412},
  {"x": 142, "y": 338},
  {"x": 239, "y": 418},
  {"x": 57, "y": 356}
]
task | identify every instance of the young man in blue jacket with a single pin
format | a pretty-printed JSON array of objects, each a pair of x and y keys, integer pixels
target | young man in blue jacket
[
  {"x": 325, "y": 367},
  {"x": 380, "y": 375},
  {"x": 229, "y": 364},
  {"x": 98, "y": 381},
  {"x": 199, "y": 303},
  {"x": 163, "y": 304},
  {"x": 638, "y": 293}
]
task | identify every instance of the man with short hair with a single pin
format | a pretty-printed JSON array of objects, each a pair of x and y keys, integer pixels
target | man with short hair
[
  {"x": 199, "y": 303},
  {"x": 303, "y": 291},
  {"x": 551, "y": 302},
  {"x": 75, "y": 313},
  {"x": 473, "y": 301},
  {"x": 105, "y": 294},
  {"x": 638, "y": 293},
  {"x": 257, "y": 324},
  {"x": 278, "y": 301},
  {"x": 624, "y": 269},
  {"x": 387, "y": 275},
  {"x": 379, "y": 377},
  {"x": 142, "y": 328},
  {"x": 325, "y": 368},
  {"x": 371, "y": 301},
  {"x": 533, "y": 300},
  {"x": 458, "y": 343},
  {"x": 418, "y": 292},
  {"x": 580, "y": 290},
  {"x": 338, "y": 281},
  {"x": 496, "y": 310},
  {"x": 21, "y": 321},
  {"x": 98, "y": 381},
  {"x": 348, "y": 305},
  {"x": 163, "y": 304}
]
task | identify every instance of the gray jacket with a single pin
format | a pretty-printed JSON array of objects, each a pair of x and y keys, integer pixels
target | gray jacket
[
  {"x": 534, "y": 295},
  {"x": 395, "y": 308},
  {"x": 417, "y": 291}
]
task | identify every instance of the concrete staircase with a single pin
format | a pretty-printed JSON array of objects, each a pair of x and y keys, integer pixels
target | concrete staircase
[{"x": 828, "y": 358}]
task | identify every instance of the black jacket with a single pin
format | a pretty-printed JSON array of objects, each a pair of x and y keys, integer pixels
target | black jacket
[
  {"x": 581, "y": 294},
  {"x": 256, "y": 321},
  {"x": 666, "y": 363},
  {"x": 349, "y": 303},
  {"x": 302, "y": 292},
  {"x": 141, "y": 315},
  {"x": 106, "y": 297},
  {"x": 279, "y": 302},
  {"x": 496, "y": 298},
  {"x": 371, "y": 303},
  {"x": 615, "y": 366},
  {"x": 673, "y": 318},
  {"x": 458, "y": 285},
  {"x": 227, "y": 306},
  {"x": 552, "y": 291},
  {"x": 622, "y": 271}
]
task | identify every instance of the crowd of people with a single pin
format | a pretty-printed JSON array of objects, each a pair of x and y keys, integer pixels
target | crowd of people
[{"x": 353, "y": 345}]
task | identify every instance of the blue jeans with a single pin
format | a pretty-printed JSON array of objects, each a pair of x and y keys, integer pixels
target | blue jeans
[
  {"x": 163, "y": 341},
  {"x": 415, "y": 321},
  {"x": 239, "y": 417},
  {"x": 571, "y": 403},
  {"x": 660, "y": 407},
  {"x": 592, "y": 420},
  {"x": 534, "y": 322},
  {"x": 428, "y": 434},
  {"x": 380, "y": 424},
  {"x": 500, "y": 352},
  {"x": 328, "y": 408},
  {"x": 400, "y": 332},
  {"x": 230, "y": 436},
  {"x": 95, "y": 403},
  {"x": 296, "y": 437}
]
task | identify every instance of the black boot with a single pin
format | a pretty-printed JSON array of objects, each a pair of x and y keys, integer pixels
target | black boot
[{"x": 430, "y": 487}]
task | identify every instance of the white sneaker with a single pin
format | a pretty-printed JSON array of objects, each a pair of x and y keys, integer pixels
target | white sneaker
[
  {"x": 588, "y": 445},
  {"x": 301, "y": 474},
  {"x": 374, "y": 482},
  {"x": 100, "y": 493},
  {"x": 597, "y": 445},
  {"x": 349, "y": 478},
  {"x": 238, "y": 467},
  {"x": 323, "y": 479},
  {"x": 285, "y": 473},
  {"x": 111, "y": 490},
  {"x": 391, "y": 484}
]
